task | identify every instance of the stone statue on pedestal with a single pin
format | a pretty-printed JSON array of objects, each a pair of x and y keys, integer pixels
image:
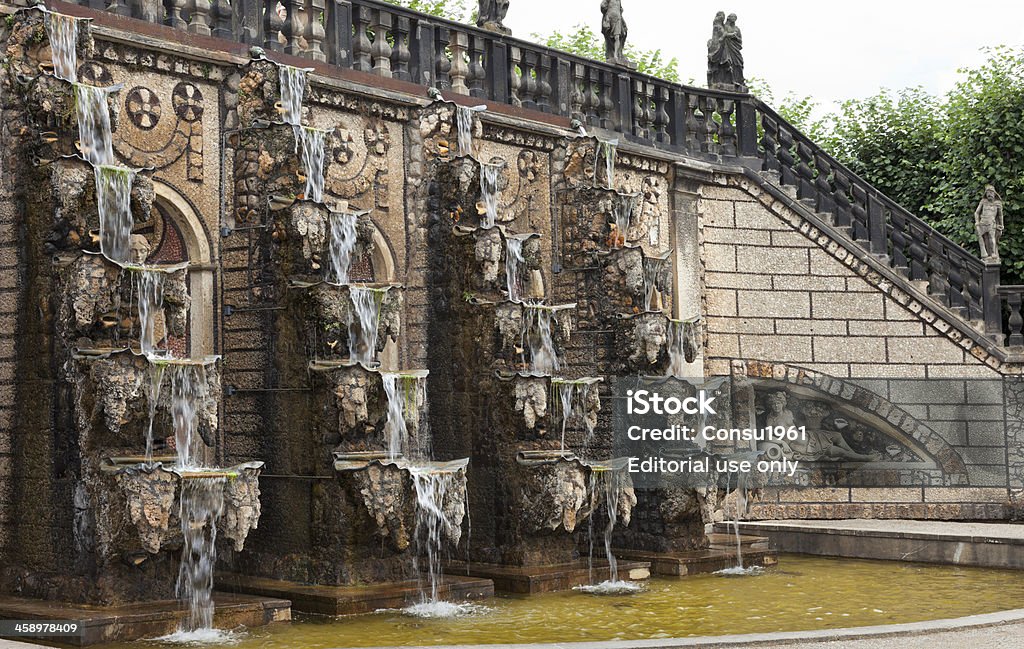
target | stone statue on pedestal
[
  {"x": 988, "y": 221},
  {"x": 491, "y": 14},
  {"x": 725, "y": 55},
  {"x": 613, "y": 26}
]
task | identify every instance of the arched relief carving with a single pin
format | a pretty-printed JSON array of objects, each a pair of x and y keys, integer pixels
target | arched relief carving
[
  {"x": 198, "y": 250},
  {"x": 848, "y": 425}
]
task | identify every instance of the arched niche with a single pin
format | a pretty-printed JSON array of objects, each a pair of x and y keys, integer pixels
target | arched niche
[
  {"x": 382, "y": 261},
  {"x": 182, "y": 236}
]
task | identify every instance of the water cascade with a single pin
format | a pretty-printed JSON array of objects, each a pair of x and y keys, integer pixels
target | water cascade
[
  {"x": 652, "y": 269},
  {"x": 113, "y": 201},
  {"x": 63, "y": 33},
  {"x": 309, "y": 144},
  {"x": 608, "y": 483},
  {"x": 93, "y": 116},
  {"x": 683, "y": 344},
  {"x": 401, "y": 391},
  {"x": 490, "y": 193},
  {"x": 364, "y": 322},
  {"x": 188, "y": 386},
  {"x": 293, "y": 87},
  {"x": 149, "y": 286},
  {"x": 513, "y": 272},
  {"x": 573, "y": 397},
  {"x": 432, "y": 526},
  {"x": 156, "y": 378},
  {"x": 342, "y": 243},
  {"x": 202, "y": 503},
  {"x": 623, "y": 213},
  {"x": 606, "y": 155},
  {"x": 537, "y": 340},
  {"x": 464, "y": 127}
]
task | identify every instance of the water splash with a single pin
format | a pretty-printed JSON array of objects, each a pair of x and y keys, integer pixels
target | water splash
[
  {"x": 363, "y": 323},
  {"x": 63, "y": 33},
  {"x": 202, "y": 503},
  {"x": 149, "y": 286},
  {"x": 402, "y": 391},
  {"x": 293, "y": 87},
  {"x": 490, "y": 192},
  {"x": 652, "y": 269},
  {"x": 309, "y": 145},
  {"x": 343, "y": 242},
  {"x": 538, "y": 341},
  {"x": 94, "y": 123},
  {"x": 605, "y": 160},
  {"x": 513, "y": 264},
  {"x": 433, "y": 525},
  {"x": 113, "y": 201},
  {"x": 683, "y": 345}
]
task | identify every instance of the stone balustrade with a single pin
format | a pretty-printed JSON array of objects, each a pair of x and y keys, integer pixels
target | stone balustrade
[{"x": 390, "y": 41}]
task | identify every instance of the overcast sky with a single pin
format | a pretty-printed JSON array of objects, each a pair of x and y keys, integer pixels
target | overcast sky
[{"x": 830, "y": 50}]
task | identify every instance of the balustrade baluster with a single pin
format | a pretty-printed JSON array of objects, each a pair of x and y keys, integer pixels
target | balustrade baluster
[
  {"x": 1016, "y": 321},
  {"x": 593, "y": 99},
  {"x": 860, "y": 213},
  {"x": 315, "y": 32},
  {"x": 293, "y": 27},
  {"x": 805, "y": 186},
  {"x": 823, "y": 186},
  {"x": 174, "y": 18},
  {"x": 692, "y": 123},
  {"x": 938, "y": 270},
  {"x": 544, "y": 83},
  {"x": 576, "y": 95},
  {"x": 223, "y": 20},
  {"x": 973, "y": 293},
  {"x": 400, "y": 53},
  {"x": 770, "y": 143},
  {"x": 152, "y": 11},
  {"x": 475, "y": 77},
  {"x": 515, "y": 76},
  {"x": 199, "y": 17},
  {"x": 273, "y": 23},
  {"x": 380, "y": 51},
  {"x": 443, "y": 65},
  {"x": 606, "y": 110},
  {"x": 787, "y": 162},
  {"x": 918, "y": 251},
  {"x": 460, "y": 66},
  {"x": 529, "y": 85},
  {"x": 710, "y": 128},
  {"x": 662, "y": 120},
  {"x": 119, "y": 7},
  {"x": 726, "y": 130},
  {"x": 641, "y": 102},
  {"x": 956, "y": 286}
]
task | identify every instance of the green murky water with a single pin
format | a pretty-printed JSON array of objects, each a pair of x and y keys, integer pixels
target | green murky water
[{"x": 801, "y": 593}]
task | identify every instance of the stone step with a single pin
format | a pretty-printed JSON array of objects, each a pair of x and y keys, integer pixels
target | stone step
[
  {"x": 528, "y": 580},
  {"x": 724, "y": 540},
  {"x": 697, "y": 562}
]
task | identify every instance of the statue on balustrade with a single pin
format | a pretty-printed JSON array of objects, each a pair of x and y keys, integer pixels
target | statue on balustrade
[
  {"x": 725, "y": 55},
  {"x": 613, "y": 26},
  {"x": 491, "y": 14},
  {"x": 988, "y": 221}
]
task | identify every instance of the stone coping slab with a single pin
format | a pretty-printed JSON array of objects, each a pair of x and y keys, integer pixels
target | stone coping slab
[
  {"x": 1008, "y": 533},
  {"x": 529, "y": 580},
  {"x": 792, "y": 638}
]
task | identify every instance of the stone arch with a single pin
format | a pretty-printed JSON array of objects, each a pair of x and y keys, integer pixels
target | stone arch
[
  {"x": 199, "y": 252},
  {"x": 850, "y": 396}
]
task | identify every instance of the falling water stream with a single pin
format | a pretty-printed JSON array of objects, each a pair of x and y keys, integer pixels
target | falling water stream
[
  {"x": 490, "y": 192},
  {"x": 113, "y": 201},
  {"x": 652, "y": 269},
  {"x": 293, "y": 87},
  {"x": 63, "y": 33},
  {"x": 606, "y": 155},
  {"x": 149, "y": 287},
  {"x": 464, "y": 127},
  {"x": 342, "y": 243},
  {"x": 202, "y": 503},
  {"x": 537, "y": 339},
  {"x": 93, "y": 114},
  {"x": 683, "y": 344},
  {"x": 608, "y": 484},
  {"x": 623, "y": 213},
  {"x": 401, "y": 391},
  {"x": 364, "y": 322},
  {"x": 513, "y": 265},
  {"x": 309, "y": 145}
]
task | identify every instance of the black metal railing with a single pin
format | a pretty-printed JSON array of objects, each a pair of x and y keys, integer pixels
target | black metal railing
[{"x": 390, "y": 41}]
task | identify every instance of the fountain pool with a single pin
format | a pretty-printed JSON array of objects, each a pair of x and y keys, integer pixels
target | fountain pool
[{"x": 802, "y": 593}]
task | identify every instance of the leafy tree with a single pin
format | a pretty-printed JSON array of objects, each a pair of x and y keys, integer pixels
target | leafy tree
[
  {"x": 450, "y": 9},
  {"x": 583, "y": 41}
]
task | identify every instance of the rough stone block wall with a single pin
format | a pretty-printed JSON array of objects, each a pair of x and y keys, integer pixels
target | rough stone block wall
[{"x": 10, "y": 305}]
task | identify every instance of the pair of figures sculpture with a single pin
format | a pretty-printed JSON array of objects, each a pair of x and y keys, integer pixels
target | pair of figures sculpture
[
  {"x": 725, "y": 55},
  {"x": 490, "y": 15}
]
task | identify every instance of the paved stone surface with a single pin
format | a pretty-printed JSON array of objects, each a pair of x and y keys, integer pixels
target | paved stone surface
[
  {"x": 938, "y": 528},
  {"x": 1010, "y": 636}
]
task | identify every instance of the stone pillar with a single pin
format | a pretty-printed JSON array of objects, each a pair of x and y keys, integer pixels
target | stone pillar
[{"x": 685, "y": 243}]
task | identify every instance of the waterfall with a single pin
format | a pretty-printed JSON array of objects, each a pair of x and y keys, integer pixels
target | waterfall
[
  {"x": 293, "y": 86},
  {"x": 565, "y": 393},
  {"x": 683, "y": 345},
  {"x": 188, "y": 386},
  {"x": 464, "y": 126},
  {"x": 309, "y": 144},
  {"x": 608, "y": 484},
  {"x": 513, "y": 274},
  {"x": 113, "y": 201},
  {"x": 652, "y": 268},
  {"x": 363, "y": 323},
  {"x": 63, "y": 34},
  {"x": 202, "y": 503},
  {"x": 94, "y": 124},
  {"x": 401, "y": 390},
  {"x": 623, "y": 215},
  {"x": 150, "y": 290},
  {"x": 606, "y": 154},
  {"x": 490, "y": 193},
  {"x": 343, "y": 242},
  {"x": 156, "y": 378},
  {"x": 537, "y": 323},
  {"x": 432, "y": 524}
]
